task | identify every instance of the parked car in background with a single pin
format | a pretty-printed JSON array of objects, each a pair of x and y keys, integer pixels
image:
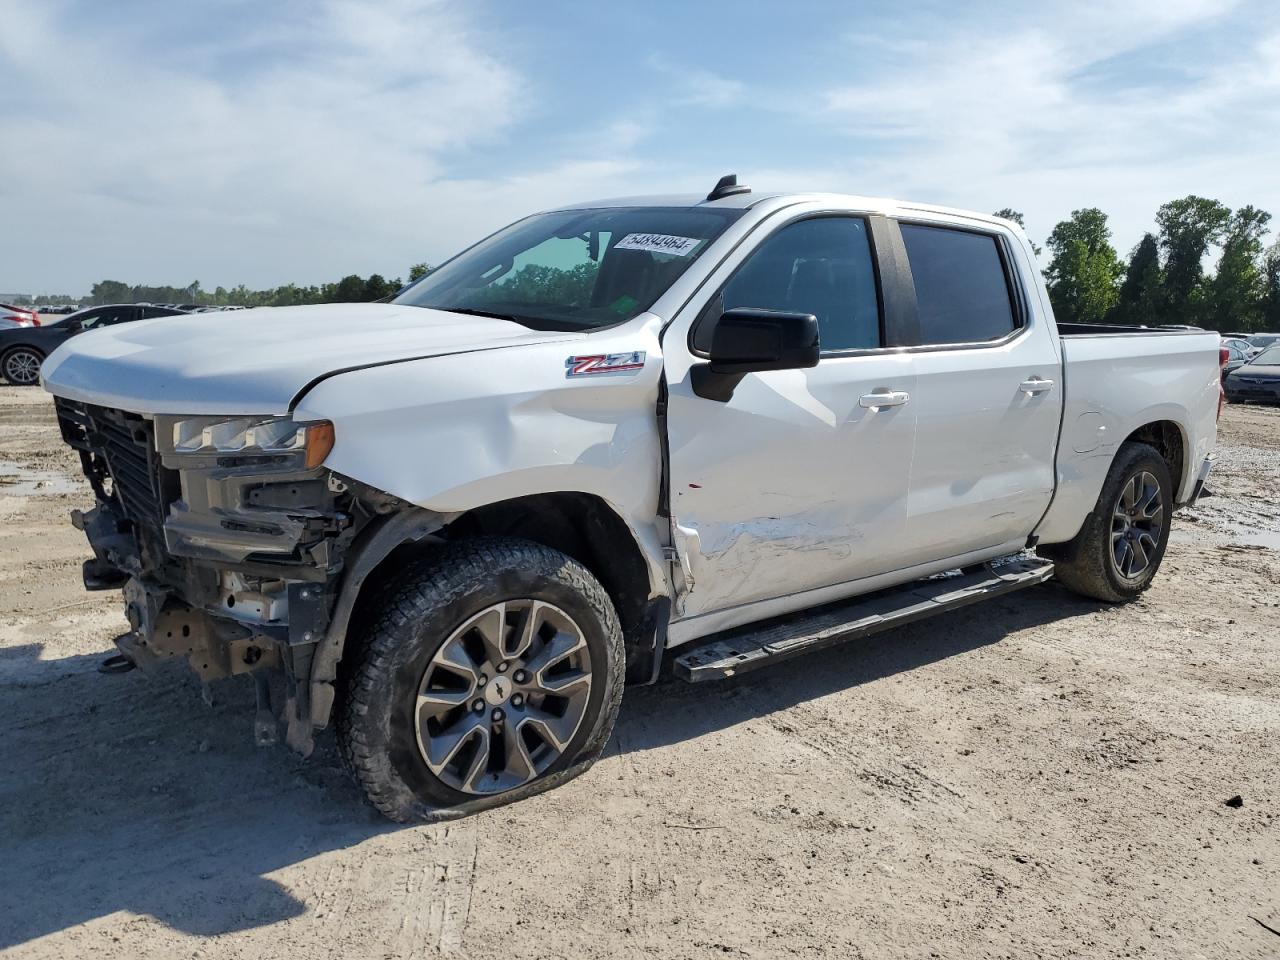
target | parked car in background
[
  {"x": 23, "y": 349},
  {"x": 1241, "y": 343},
  {"x": 1259, "y": 379},
  {"x": 1261, "y": 341},
  {"x": 13, "y": 316},
  {"x": 1237, "y": 355}
]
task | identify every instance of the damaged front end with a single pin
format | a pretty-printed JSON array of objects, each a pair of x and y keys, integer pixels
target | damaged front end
[{"x": 228, "y": 537}]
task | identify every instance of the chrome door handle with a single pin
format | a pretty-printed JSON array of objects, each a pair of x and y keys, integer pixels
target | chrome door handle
[
  {"x": 1035, "y": 385},
  {"x": 883, "y": 398}
]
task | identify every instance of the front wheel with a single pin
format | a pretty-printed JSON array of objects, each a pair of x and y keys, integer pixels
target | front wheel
[
  {"x": 21, "y": 366},
  {"x": 493, "y": 670},
  {"x": 1117, "y": 552}
]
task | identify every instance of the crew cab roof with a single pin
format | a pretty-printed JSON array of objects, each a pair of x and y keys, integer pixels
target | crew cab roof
[
  {"x": 736, "y": 202},
  {"x": 742, "y": 201}
]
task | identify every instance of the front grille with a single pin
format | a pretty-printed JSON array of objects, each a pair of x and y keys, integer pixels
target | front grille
[{"x": 119, "y": 447}]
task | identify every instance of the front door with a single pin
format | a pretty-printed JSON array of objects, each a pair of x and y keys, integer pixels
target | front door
[{"x": 800, "y": 479}]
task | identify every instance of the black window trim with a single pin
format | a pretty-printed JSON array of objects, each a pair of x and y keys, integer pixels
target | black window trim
[
  {"x": 866, "y": 217},
  {"x": 1018, "y": 304}
]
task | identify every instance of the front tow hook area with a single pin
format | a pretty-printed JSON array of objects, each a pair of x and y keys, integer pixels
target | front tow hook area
[{"x": 266, "y": 732}]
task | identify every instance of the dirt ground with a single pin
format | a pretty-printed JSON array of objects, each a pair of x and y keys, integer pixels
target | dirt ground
[{"x": 1041, "y": 776}]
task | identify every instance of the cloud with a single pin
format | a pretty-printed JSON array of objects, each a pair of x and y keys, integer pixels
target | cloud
[
  {"x": 694, "y": 86},
  {"x": 235, "y": 141},
  {"x": 339, "y": 117},
  {"x": 1011, "y": 111}
]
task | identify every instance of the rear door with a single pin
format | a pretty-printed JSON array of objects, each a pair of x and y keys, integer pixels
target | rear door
[
  {"x": 988, "y": 395},
  {"x": 799, "y": 481}
]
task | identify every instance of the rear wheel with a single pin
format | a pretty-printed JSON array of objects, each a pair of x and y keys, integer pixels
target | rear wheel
[
  {"x": 493, "y": 671},
  {"x": 21, "y": 366},
  {"x": 1117, "y": 552}
]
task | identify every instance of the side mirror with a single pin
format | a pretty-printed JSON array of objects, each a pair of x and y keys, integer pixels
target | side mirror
[{"x": 751, "y": 341}]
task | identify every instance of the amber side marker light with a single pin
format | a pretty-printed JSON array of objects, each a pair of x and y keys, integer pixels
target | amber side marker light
[{"x": 319, "y": 443}]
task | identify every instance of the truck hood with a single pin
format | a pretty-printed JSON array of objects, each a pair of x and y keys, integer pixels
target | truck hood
[{"x": 259, "y": 361}]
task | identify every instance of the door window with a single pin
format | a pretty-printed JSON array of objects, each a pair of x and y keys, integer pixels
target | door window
[
  {"x": 821, "y": 266},
  {"x": 107, "y": 316},
  {"x": 962, "y": 292}
]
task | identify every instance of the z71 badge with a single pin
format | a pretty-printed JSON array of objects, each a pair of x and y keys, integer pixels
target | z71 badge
[{"x": 601, "y": 364}]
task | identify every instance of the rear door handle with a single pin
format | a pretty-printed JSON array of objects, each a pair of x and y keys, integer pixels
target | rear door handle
[
  {"x": 883, "y": 398},
  {"x": 1035, "y": 385}
]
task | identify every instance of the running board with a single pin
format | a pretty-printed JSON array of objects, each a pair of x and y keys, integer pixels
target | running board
[{"x": 743, "y": 649}]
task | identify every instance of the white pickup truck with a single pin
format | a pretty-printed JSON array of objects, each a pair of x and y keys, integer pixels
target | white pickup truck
[{"x": 717, "y": 432}]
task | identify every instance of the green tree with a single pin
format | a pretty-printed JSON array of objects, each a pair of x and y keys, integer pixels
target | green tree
[
  {"x": 1271, "y": 289},
  {"x": 1236, "y": 292},
  {"x": 1187, "y": 229},
  {"x": 419, "y": 270},
  {"x": 1083, "y": 270},
  {"x": 376, "y": 288},
  {"x": 350, "y": 289},
  {"x": 1141, "y": 294},
  {"x": 109, "y": 291},
  {"x": 1008, "y": 213}
]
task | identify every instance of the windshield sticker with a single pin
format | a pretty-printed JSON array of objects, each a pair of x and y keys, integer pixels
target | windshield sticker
[
  {"x": 658, "y": 243},
  {"x": 598, "y": 364}
]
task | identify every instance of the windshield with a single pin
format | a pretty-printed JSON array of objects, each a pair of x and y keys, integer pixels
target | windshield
[
  {"x": 1269, "y": 357},
  {"x": 1264, "y": 341},
  {"x": 575, "y": 269}
]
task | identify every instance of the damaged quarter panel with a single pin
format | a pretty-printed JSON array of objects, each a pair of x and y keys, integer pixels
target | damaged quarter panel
[
  {"x": 1113, "y": 392},
  {"x": 435, "y": 434}
]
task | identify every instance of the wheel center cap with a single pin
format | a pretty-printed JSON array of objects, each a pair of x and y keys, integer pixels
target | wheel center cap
[{"x": 497, "y": 691}]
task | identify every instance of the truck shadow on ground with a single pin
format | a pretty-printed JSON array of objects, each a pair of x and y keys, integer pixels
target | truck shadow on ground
[{"x": 128, "y": 793}]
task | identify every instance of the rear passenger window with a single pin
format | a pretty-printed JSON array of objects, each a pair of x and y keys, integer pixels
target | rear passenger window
[
  {"x": 961, "y": 288},
  {"x": 821, "y": 266}
]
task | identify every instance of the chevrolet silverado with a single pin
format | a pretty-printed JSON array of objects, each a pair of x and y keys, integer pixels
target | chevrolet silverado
[{"x": 713, "y": 431}]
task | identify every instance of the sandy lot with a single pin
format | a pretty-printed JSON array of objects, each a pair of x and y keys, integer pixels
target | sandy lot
[{"x": 1041, "y": 776}]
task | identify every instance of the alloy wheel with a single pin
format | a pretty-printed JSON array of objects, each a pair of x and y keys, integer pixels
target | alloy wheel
[
  {"x": 503, "y": 697},
  {"x": 22, "y": 367},
  {"x": 1136, "y": 523}
]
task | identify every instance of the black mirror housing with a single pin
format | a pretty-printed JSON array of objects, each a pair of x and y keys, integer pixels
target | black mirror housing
[{"x": 752, "y": 341}]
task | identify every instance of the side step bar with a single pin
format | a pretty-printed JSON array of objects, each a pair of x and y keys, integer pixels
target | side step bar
[{"x": 747, "y": 648}]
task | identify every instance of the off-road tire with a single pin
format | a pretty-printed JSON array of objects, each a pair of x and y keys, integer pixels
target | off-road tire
[
  {"x": 1084, "y": 565},
  {"x": 386, "y": 658}
]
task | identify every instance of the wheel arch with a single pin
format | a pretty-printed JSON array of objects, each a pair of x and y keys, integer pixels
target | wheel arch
[
  {"x": 1081, "y": 475},
  {"x": 1169, "y": 438},
  {"x": 581, "y": 525}
]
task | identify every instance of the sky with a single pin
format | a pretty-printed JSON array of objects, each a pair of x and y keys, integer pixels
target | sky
[{"x": 236, "y": 141}]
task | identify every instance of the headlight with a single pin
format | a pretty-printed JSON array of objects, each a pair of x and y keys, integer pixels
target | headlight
[{"x": 251, "y": 435}]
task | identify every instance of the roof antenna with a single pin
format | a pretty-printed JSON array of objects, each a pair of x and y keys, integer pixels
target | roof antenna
[{"x": 727, "y": 186}]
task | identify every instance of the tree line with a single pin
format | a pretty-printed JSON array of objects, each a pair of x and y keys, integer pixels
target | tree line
[
  {"x": 350, "y": 289},
  {"x": 1163, "y": 281}
]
